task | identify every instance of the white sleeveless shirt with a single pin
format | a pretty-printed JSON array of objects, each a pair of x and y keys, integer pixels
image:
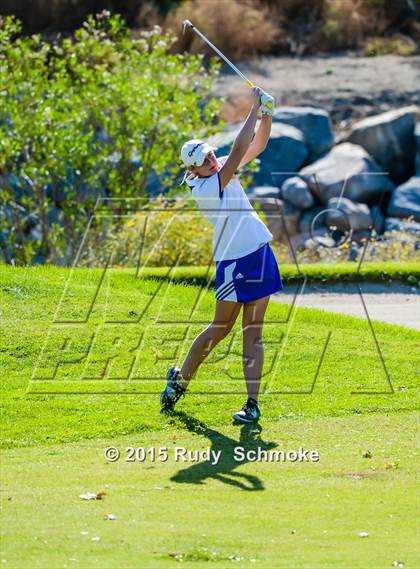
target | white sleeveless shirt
[{"x": 238, "y": 230}]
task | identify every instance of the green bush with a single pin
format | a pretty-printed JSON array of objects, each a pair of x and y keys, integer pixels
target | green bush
[{"x": 73, "y": 116}]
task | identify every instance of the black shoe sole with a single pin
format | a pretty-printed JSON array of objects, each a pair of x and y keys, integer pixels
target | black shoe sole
[{"x": 245, "y": 420}]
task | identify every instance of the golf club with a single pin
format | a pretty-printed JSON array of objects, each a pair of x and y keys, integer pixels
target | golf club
[
  {"x": 266, "y": 99},
  {"x": 187, "y": 24}
]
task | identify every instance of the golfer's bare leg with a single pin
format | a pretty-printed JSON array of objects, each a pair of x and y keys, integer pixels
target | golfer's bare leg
[
  {"x": 224, "y": 319},
  {"x": 253, "y": 349}
]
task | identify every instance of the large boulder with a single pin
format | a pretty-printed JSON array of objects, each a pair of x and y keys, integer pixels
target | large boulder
[
  {"x": 347, "y": 215},
  {"x": 405, "y": 200},
  {"x": 389, "y": 138},
  {"x": 305, "y": 222},
  {"x": 315, "y": 125},
  {"x": 361, "y": 235},
  {"x": 285, "y": 153},
  {"x": 282, "y": 218},
  {"x": 312, "y": 240},
  {"x": 347, "y": 170},
  {"x": 296, "y": 191},
  {"x": 378, "y": 219}
]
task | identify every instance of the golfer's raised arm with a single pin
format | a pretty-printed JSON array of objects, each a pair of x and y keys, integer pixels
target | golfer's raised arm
[
  {"x": 263, "y": 133},
  {"x": 260, "y": 140},
  {"x": 242, "y": 141}
]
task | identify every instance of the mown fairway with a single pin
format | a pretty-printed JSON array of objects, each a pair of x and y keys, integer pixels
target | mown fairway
[{"x": 86, "y": 376}]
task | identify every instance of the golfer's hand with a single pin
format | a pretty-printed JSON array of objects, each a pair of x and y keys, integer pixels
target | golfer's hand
[
  {"x": 267, "y": 104},
  {"x": 256, "y": 93}
]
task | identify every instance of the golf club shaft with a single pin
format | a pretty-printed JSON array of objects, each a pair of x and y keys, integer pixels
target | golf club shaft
[{"x": 208, "y": 42}]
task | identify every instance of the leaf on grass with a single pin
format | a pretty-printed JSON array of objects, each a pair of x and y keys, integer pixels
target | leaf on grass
[
  {"x": 367, "y": 454},
  {"x": 88, "y": 496},
  {"x": 93, "y": 495}
]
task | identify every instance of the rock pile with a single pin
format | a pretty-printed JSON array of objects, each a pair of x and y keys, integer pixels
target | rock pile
[{"x": 328, "y": 188}]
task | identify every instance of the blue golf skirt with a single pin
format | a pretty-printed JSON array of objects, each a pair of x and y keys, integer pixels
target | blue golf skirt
[{"x": 248, "y": 278}]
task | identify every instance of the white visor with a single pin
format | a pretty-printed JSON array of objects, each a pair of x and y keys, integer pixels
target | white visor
[{"x": 194, "y": 152}]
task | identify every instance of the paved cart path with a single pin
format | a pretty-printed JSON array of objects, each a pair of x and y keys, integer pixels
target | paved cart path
[{"x": 395, "y": 304}]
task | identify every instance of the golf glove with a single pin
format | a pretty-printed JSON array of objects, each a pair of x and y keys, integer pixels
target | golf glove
[{"x": 267, "y": 104}]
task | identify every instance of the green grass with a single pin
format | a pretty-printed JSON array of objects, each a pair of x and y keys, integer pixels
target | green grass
[
  {"x": 290, "y": 514},
  {"x": 171, "y": 514},
  {"x": 385, "y": 272},
  {"x": 134, "y": 309}
]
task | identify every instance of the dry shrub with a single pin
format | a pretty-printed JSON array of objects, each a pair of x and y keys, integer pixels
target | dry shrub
[
  {"x": 397, "y": 44},
  {"x": 66, "y": 15},
  {"x": 240, "y": 29},
  {"x": 36, "y": 15},
  {"x": 346, "y": 23},
  {"x": 147, "y": 16},
  {"x": 50, "y": 15},
  {"x": 353, "y": 23},
  {"x": 299, "y": 23},
  {"x": 415, "y": 32},
  {"x": 392, "y": 16}
]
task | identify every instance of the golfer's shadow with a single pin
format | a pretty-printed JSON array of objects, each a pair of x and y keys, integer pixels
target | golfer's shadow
[{"x": 224, "y": 470}]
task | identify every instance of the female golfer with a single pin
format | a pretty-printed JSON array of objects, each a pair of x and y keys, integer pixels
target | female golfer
[{"x": 246, "y": 269}]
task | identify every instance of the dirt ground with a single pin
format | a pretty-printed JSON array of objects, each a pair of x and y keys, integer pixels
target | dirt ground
[
  {"x": 348, "y": 86},
  {"x": 393, "y": 303}
]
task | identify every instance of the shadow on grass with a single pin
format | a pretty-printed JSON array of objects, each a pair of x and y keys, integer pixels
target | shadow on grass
[{"x": 249, "y": 438}]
